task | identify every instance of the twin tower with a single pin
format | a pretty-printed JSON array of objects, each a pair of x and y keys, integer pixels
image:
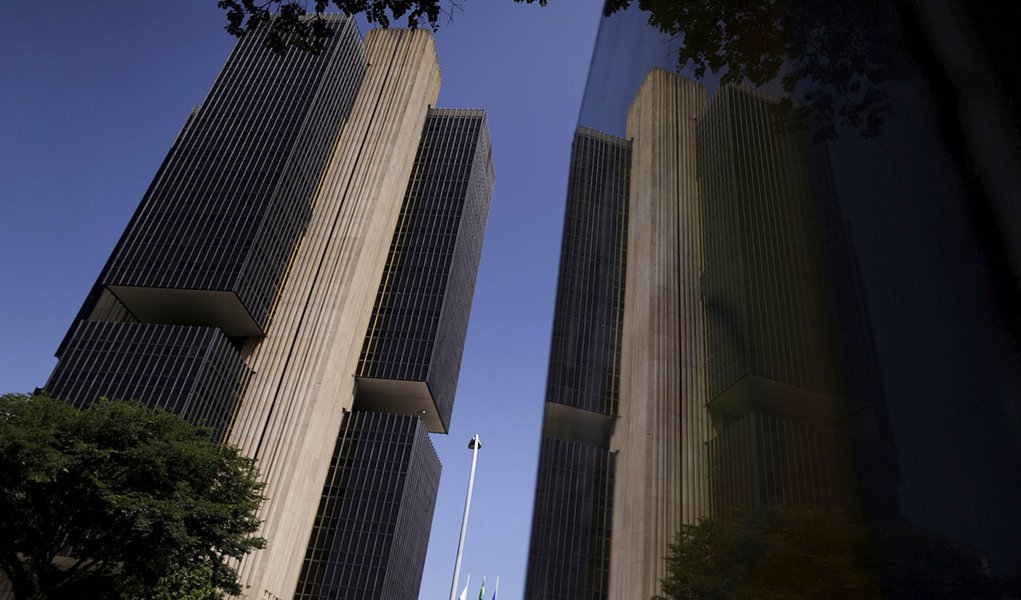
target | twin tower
[{"x": 299, "y": 277}]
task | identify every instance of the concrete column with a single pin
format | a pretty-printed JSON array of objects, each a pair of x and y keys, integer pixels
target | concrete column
[{"x": 661, "y": 478}]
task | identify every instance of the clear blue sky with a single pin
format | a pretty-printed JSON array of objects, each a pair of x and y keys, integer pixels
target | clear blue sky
[{"x": 91, "y": 101}]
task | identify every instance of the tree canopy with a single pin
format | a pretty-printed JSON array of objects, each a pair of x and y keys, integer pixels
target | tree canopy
[
  {"x": 119, "y": 501},
  {"x": 805, "y": 553},
  {"x": 288, "y": 23},
  {"x": 831, "y": 58}
]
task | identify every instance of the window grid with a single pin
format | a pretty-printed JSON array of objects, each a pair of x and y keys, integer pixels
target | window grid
[
  {"x": 192, "y": 371},
  {"x": 234, "y": 193},
  {"x": 420, "y": 316},
  {"x": 372, "y": 527},
  {"x": 569, "y": 555}
]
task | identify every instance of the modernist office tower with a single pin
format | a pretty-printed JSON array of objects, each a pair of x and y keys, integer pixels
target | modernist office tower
[
  {"x": 738, "y": 342},
  {"x": 242, "y": 292}
]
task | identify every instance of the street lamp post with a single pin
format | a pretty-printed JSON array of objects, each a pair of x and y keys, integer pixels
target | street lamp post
[{"x": 474, "y": 444}]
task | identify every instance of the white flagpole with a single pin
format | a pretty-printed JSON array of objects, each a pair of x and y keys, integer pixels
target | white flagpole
[
  {"x": 496, "y": 592},
  {"x": 474, "y": 444}
]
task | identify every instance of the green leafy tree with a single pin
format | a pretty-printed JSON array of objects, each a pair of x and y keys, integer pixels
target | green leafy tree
[
  {"x": 190, "y": 583},
  {"x": 289, "y": 23},
  {"x": 119, "y": 501},
  {"x": 804, "y": 553}
]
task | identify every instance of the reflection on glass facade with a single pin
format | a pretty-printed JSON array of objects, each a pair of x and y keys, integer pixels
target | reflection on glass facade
[
  {"x": 859, "y": 289},
  {"x": 420, "y": 317},
  {"x": 569, "y": 552},
  {"x": 192, "y": 371},
  {"x": 769, "y": 305},
  {"x": 585, "y": 354},
  {"x": 762, "y": 460},
  {"x": 786, "y": 353},
  {"x": 371, "y": 532}
]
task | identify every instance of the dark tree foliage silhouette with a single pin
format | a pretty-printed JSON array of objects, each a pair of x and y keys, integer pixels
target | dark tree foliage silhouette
[
  {"x": 804, "y": 553},
  {"x": 118, "y": 501},
  {"x": 831, "y": 58},
  {"x": 289, "y": 23}
]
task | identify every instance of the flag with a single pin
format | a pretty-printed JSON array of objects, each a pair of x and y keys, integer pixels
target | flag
[
  {"x": 464, "y": 592},
  {"x": 482, "y": 592},
  {"x": 497, "y": 590}
]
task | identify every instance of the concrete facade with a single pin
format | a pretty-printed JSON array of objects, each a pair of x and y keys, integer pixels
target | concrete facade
[{"x": 660, "y": 435}]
